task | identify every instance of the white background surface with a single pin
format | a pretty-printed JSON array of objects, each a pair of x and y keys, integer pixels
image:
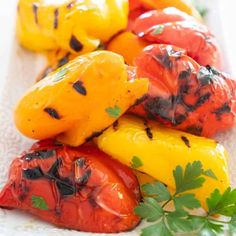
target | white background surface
[{"x": 18, "y": 69}]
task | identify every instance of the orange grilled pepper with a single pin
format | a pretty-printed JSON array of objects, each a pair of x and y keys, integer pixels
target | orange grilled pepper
[
  {"x": 128, "y": 45},
  {"x": 80, "y": 99}
]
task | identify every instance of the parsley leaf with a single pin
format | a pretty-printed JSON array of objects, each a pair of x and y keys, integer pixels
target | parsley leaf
[
  {"x": 158, "y": 29},
  {"x": 149, "y": 210},
  {"x": 114, "y": 112},
  {"x": 39, "y": 202},
  {"x": 60, "y": 74},
  {"x": 211, "y": 229},
  {"x": 136, "y": 162},
  {"x": 187, "y": 200},
  {"x": 159, "y": 190},
  {"x": 222, "y": 204},
  {"x": 179, "y": 224},
  {"x": 210, "y": 173},
  {"x": 190, "y": 179},
  {"x": 156, "y": 229}
]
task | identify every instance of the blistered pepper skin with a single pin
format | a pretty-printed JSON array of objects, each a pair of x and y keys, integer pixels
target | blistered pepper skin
[
  {"x": 184, "y": 95},
  {"x": 80, "y": 99},
  {"x": 76, "y": 188},
  {"x": 75, "y": 26},
  {"x": 163, "y": 150}
]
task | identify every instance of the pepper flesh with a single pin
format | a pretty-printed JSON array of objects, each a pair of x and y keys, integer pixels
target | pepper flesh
[
  {"x": 184, "y": 95},
  {"x": 167, "y": 149},
  {"x": 80, "y": 99},
  {"x": 76, "y": 188},
  {"x": 75, "y": 26}
]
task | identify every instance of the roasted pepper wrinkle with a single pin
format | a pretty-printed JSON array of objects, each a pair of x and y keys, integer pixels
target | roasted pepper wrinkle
[
  {"x": 77, "y": 188},
  {"x": 79, "y": 100},
  {"x": 184, "y": 95},
  {"x": 166, "y": 149},
  {"x": 75, "y": 26}
]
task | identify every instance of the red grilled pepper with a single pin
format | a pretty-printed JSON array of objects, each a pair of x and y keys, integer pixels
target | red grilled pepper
[
  {"x": 183, "y": 94},
  {"x": 77, "y": 188},
  {"x": 174, "y": 27}
]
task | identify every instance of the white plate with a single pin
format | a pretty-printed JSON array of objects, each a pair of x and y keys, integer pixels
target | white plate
[{"x": 18, "y": 69}]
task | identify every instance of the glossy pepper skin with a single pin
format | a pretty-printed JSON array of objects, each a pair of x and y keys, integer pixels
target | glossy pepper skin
[
  {"x": 76, "y": 188},
  {"x": 176, "y": 28},
  {"x": 75, "y": 26},
  {"x": 184, "y": 95},
  {"x": 161, "y": 149},
  {"x": 138, "y": 7},
  {"x": 80, "y": 99},
  {"x": 183, "y": 5}
]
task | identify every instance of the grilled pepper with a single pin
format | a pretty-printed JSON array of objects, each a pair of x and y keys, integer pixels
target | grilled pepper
[
  {"x": 168, "y": 28},
  {"x": 75, "y": 26},
  {"x": 80, "y": 99},
  {"x": 159, "y": 150},
  {"x": 76, "y": 188},
  {"x": 184, "y": 95},
  {"x": 183, "y": 5}
]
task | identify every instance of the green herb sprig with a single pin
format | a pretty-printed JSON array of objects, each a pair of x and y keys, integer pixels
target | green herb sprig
[{"x": 181, "y": 220}]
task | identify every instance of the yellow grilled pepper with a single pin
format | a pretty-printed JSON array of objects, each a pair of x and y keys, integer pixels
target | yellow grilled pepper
[
  {"x": 161, "y": 150},
  {"x": 80, "y": 99},
  {"x": 75, "y": 26}
]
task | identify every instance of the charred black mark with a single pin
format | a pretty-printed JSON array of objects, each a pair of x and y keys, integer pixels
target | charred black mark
[
  {"x": 222, "y": 110},
  {"x": 84, "y": 179},
  {"x": 63, "y": 60},
  {"x": 149, "y": 133},
  {"x": 179, "y": 119},
  {"x": 35, "y": 11},
  {"x": 164, "y": 60},
  {"x": 81, "y": 162},
  {"x": 65, "y": 187},
  {"x": 75, "y": 44},
  {"x": 204, "y": 98},
  {"x": 158, "y": 107},
  {"x": 207, "y": 74},
  {"x": 213, "y": 70},
  {"x": 94, "y": 135},
  {"x": 184, "y": 74},
  {"x": 55, "y": 23},
  {"x": 140, "y": 100},
  {"x": 197, "y": 130},
  {"x": 115, "y": 125},
  {"x": 52, "y": 112},
  {"x": 71, "y": 4},
  {"x": 53, "y": 172},
  {"x": 41, "y": 154},
  {"x": 33, "y": 174},
  {"x": 186, "y": 141},
  {"x": 78, "y": 86}
]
